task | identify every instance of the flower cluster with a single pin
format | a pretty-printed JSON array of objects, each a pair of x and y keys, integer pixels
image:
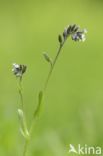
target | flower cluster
[
  {"x": 19, "y": 69},
  {"x": 79, "y": 35},
  {"x": 75, "y": 32}
]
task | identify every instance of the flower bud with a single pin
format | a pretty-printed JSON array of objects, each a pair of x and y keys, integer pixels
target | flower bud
[
  {"x": 69, "y": 29},
  {"x": 65, "y": 33},
  {"x": 60, "y": 39},
  {"x": 73, "y": 27},
  {"x": 47, "y": 58}
]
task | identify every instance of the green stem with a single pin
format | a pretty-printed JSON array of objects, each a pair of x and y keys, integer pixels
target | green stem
[
  {"x": 25, "y": 147},
  {"x": 20, "y": 93},
  {"x": 22, "y": 106},
  {"x": 53, "y": 64},
  {"x": 28, "y": 140}
]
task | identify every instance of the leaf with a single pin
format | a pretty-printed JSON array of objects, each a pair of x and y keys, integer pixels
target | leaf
[
  {"x": 40, "y": 97},
  {"x": 23, "y": 125}
]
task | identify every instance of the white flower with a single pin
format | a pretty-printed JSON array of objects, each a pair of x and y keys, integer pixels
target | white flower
[
  {"x": 79, "y": 35},
  {"x": 18, "y": 70}
]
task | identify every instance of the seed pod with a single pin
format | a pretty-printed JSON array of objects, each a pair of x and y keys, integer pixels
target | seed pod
[{"x": 60, "y": 38}]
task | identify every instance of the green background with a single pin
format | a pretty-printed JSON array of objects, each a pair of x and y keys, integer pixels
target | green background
[{"x": 72, "y": 111}]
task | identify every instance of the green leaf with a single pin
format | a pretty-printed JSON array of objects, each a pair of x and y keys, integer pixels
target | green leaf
[
  {"x": 23, "y": 125},
  {"x": 40, "y": 97}
]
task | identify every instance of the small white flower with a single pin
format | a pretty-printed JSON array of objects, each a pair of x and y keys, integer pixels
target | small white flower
[
  {"x": 79, "y": 35},
  {"x": 18, "y": 70},
  {"x": 75, "y": 37}
]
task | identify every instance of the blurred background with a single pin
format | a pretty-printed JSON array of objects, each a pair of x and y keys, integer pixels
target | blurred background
[{"x": 72, "y": 111}]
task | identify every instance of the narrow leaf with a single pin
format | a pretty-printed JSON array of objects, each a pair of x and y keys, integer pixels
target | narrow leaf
[
  {"x": 23, "y": 125},
  {"x": 40, "y": 97}
]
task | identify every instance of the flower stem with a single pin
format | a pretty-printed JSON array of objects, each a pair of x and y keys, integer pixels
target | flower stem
[
  {"x": 20, "y": 93},
  {"x": 53, "y": 64},
  {"x": 25, "y": 147},
  {"x": 22, "y": 106}
]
